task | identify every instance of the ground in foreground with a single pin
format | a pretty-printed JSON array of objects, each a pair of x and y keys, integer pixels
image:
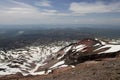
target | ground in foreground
[{"x": 106, "y": 69}]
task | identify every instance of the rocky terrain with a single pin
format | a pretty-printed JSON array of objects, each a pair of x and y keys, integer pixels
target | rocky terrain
[{"x": 87, "y": 59}]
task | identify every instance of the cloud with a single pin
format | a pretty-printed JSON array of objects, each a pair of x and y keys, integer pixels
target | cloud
[
  {"x": 16, "y": 8},
  {"x": 20, "y": 8},
  {"x": 50, "y": 11},
  {"x": 96, "y": 7},
  {"x": 16, "y": 12},
  {"x": 44, "y": 3}
]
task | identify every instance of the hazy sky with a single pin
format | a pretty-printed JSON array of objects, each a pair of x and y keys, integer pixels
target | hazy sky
[{"x": 60, "y": 12}]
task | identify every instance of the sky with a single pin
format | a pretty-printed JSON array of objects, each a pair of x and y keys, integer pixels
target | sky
[{"x": 60, "y": 12}]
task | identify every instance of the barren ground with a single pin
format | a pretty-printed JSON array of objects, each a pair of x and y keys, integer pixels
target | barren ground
[{"x": 107, "y": 69}]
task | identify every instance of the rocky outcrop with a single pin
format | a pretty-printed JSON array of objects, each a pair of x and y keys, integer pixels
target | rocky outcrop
[{"x": 88, "y": 49}]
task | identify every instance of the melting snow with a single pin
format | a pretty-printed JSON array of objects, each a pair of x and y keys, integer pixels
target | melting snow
[
  {"x": 24, "y": 57},
  {"x": 79, "y": 47},
  {"x": 103, "y": 43},
  {"x": 38, "y": 73},
  {"x": 113, "y": 48},
  {"x": 58, "y": 64},
  {"x": 36, "y": 55}
]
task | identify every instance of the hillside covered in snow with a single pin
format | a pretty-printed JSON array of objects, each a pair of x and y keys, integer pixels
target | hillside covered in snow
[{"x": 45, "y": 59}]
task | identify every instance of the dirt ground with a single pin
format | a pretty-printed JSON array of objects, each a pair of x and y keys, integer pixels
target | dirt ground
[{"x": 107, "y": 69}]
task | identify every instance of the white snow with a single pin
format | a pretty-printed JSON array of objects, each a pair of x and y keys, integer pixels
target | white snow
[
  {"x": 57, "y": 64},
  {"x": 102, "y": 42},
  {"x": 79, "y": 47},
  {"x": 113, "y": 48},
  {"x": 72, "y": 66},
  {"x": 8, "y": 70},
  {"x": 113, "y": 42},
  {"x": 63, "y": 66},
  {"x": 67, "y": 49},
  {"x": 97, "y": 44},
  {"x": 36, "y": 55},
  {"x": 28, "y": 56},
  {"x": 49, "y": 71},
  {"x": 38, "y": 73}
]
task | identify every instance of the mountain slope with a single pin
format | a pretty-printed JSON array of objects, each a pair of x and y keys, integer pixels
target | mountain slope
[{"x": 34, "y": 61}]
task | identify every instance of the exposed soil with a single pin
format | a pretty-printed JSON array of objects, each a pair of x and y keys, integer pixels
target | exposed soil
[{"x": 106, "y": 69}]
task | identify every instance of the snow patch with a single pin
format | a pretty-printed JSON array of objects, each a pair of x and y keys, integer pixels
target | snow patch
[
  {"x": 113, "y": 48},
  {"x": 57, "y": 64}
]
